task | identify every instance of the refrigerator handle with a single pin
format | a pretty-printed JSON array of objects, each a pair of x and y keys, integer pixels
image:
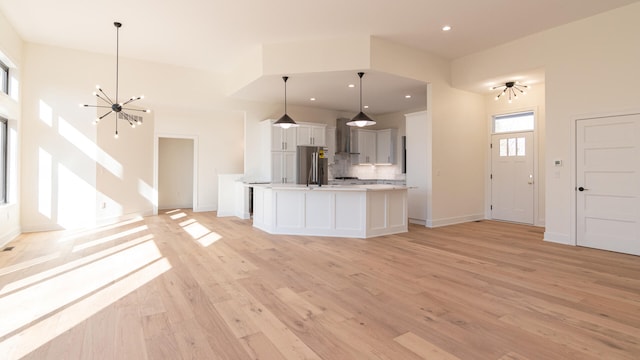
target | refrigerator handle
[{"x": 314, "y": 166}]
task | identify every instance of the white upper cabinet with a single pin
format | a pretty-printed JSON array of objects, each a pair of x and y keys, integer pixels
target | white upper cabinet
[
  {"x": 386, "y": 146},
  {"x": 366, "y": 146},
  {"x": 309, "y": 134},
  {"x": 283, "y": 139},
  {"x": 331, "y": 144}
]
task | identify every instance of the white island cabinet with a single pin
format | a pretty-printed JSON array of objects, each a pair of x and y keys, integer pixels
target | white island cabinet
[{"x": 360, "y": 211}]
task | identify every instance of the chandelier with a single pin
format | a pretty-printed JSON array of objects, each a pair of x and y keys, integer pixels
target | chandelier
[
  {"x": 115, "y": 106},
  {"x": 511, "y": 89}
]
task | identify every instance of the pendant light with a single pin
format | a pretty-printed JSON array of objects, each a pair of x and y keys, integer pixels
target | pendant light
[
  {"x": 361, "y": 119},
  {"x": 285, "y": 121},
  {"x": 116, "y": 106}
]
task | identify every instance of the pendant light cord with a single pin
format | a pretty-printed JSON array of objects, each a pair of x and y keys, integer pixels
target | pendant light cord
[
  {"x": 117, "y": 55},
  {"x": 285, "y": 78},
  {"x": 359, "y": 74}
]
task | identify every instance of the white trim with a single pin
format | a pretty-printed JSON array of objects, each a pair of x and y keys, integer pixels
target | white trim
[
  {"x": 9, "y": 236},
  {"x": 454, "y": 220},
  {"x": 196, "y": 148},
  {"x": 558, "y": 238},
  {"x": 418, "y": 222},
  {"x": 205, "y": 208}
]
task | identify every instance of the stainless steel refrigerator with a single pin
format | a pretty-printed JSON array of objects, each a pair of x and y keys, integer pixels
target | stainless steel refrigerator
[{"x": 312, "y": 165}]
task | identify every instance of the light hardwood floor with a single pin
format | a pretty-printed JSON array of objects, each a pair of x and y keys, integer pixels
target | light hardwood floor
[{"x": 189, "y": 285}]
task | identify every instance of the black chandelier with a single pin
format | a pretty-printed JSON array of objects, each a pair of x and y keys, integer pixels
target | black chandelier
[
  {"x": 511, "y": 88},
  {"x": 115, "y": 106}
]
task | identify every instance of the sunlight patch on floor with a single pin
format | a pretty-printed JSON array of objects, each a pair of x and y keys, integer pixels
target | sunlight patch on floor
[
  {"x": 71, "y": 265},
  {"x": 203, "y": 235},
  {"x": 27, "y": 305},
  {"x": 28, "y": 263},
  {"x": 110, "y": 238},
  {"x": 31, "y": 338},
  {"x": 95, "y": 230}
]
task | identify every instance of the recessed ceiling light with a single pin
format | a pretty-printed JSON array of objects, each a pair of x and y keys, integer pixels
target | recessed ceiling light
[
  {"x": 446, "y": 28},
  {"x": 366, "y": 106},
  {"x": 407, "y": 96},
  {"x": 352, "y": 85},
  {"x": 312, "y": 99}
]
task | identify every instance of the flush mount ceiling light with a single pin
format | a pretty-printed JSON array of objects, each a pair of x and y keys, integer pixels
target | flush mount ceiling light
[
  {"x": 115, "y": 106},
  {"x": 361, "y": 119},
  {"x": 285, "y": 121},
  {"x": 511, "y": 88}
]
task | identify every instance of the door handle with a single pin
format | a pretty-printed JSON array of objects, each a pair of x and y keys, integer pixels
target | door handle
[{"x": 582, "y": 189}]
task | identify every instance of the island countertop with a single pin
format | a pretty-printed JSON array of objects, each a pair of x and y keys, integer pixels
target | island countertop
[{"x": 303, "y": 187}]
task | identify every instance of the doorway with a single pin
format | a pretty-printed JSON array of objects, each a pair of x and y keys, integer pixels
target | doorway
[
  {"x": 175, "y": 176},
  {"x": 608, "y": 183}
]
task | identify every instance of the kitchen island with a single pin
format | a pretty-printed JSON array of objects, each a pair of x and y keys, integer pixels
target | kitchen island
[{"x": 360, "y": 211}]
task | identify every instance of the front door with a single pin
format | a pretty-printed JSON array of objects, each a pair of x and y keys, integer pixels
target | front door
[
  {"x": 512, "y": 177},
  {"x": 608, "y": 183}
]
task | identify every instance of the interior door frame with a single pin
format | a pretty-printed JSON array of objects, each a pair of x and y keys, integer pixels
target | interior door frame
[
  {"x": 537, "y": 220},
  {"x": 156, "y": 159},
  {"x": 573, "y": 227}
]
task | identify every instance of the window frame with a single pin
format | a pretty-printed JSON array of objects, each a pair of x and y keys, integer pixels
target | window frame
[
  {"x": 4, "y": 137},
  {"x": 4, "y": 78},
  {"x": 513, "y": 115}
]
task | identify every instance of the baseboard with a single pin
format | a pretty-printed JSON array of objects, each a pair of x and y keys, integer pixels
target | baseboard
[
  {"x": 205, "y": 208},
  {"x": 9, "y": 236},
  {"x": 417, "y": 221},
  {"x": 454, "y": 220},
  {"x": 557, "y": 238}
]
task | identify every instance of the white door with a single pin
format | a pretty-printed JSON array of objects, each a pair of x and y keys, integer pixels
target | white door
[
  {"x": 608, "y": 183},
  {"x": 512, "y": 177}
]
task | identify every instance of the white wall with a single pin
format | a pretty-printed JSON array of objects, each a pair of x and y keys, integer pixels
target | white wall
[
  {"x": 534, "y": 100},
  {"x": 11, "y": 48},
  {"x": 456, "y": 189},
  {"x": 591, "y": 67},
  {"x": 175, "y": 173},
  {"x": 70, "y": 167}
]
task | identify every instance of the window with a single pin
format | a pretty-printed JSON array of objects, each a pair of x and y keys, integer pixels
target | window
[
  {"x": 512, "y": 147},
  {"x": 4, "y": 78},
  {"x": 513, "y": 122},
  {"x": 3, "y": 161}
]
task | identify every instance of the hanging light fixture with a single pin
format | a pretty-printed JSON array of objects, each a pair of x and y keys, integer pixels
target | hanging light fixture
[
  {"x": 361, "y": 119},
  {"x": 285, "y": 121},
  {"x": 511, "y": 88},
  {"x": 116, "y": 106}
]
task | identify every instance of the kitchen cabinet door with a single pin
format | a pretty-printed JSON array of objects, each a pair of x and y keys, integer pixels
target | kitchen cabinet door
[
  {"x": 283, "y": 139},
  {"x": 386, "y": 146},
  {"x": 366, "y": 146},
  {"x": 283, "y": 167},
  {"x": 311, "y": 135},
  {"x": 331, "y": 144}
]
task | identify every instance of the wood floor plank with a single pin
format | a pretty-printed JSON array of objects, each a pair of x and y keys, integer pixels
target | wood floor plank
[
  {"x": 425, "y": 349},
  {"x": 479, "y": 290}
]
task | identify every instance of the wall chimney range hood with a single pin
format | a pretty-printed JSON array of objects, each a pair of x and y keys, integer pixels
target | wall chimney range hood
[{"x": 343, "y": 137}]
